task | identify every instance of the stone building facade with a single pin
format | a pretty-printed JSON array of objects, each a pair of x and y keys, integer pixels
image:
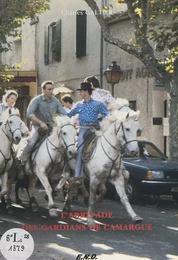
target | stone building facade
[{"x": 65, "y": 45}]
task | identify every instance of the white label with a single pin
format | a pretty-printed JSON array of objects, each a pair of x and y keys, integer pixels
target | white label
[{"x": 16, "y": 244}]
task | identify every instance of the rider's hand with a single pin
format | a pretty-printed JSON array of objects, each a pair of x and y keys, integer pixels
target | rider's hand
[
  {"x": 27, "y": 133},
  {"x": 43, "y": 126}
]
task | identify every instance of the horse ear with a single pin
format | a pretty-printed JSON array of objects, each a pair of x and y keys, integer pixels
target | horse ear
[{"x": 135, "y": 114}]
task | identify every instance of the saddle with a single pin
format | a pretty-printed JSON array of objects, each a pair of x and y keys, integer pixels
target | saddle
[
  {"x": 90, "y": 140},
  {"x": 43, "y": 135}
]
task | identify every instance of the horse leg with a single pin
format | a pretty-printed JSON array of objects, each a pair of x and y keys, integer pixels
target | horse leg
[
  {"x": 85, "y": 193},
  {"x": 9, "y": 208},
  {"x": 32, "y": 183},
  {"x": 3, "y": 202},
  {"x": 44, "y": 181},
  {"x": 92, "y": 197},
  {"x": 119, "y": 185},
  {"x": 102, "y": 190},
  {"x": 67, "y": 202},
  {"x": 4, "y": 188},
  {"x": 62, "y": 182},
  {"x": 17, "y": 199}
]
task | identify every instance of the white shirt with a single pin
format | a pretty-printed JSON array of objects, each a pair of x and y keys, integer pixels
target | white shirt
[
  {"x": 4, "y": 113},
  {"x": 103, "y": 96}
]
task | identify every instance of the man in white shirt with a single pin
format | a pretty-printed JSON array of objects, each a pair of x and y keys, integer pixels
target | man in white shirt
[{"x": 98, "y": 93}]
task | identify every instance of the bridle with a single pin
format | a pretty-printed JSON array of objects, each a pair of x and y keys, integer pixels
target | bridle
[
  {"x": 10, "y": 138},
  {"x": 10, "y": 130},
  {"x": 66, "y": 146},
  {"x": 63, "y": 153},
  {"x": 116, "y": 130}
]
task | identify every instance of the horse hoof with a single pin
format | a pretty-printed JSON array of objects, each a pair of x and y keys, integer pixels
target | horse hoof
[
  {"x": 91, "y": 223},
  {"x": 53, "y": 212},
  {"x": 137, "y": 219}
]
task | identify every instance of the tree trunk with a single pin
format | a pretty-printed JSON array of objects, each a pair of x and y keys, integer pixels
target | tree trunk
[{"x": 173, "y": 119}]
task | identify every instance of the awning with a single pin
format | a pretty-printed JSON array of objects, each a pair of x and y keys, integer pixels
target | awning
[{"x": 61, "y": 88}]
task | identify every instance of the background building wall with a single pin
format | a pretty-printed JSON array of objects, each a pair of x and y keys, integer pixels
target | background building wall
[
  {"x": 137, "y": 85},
  {"x": 70, "y": 70}
]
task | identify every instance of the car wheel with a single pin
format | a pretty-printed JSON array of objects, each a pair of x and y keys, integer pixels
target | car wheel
[
  {"x": 132, "y": 191},
  {"x": 175, "y": 196}
]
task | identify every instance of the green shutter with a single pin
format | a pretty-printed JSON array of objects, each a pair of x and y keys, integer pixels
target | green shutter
[
  {"x": 58, "y": 41},
  {"x": 46, "y": 46},
  {"x": 81, "y": 33}
]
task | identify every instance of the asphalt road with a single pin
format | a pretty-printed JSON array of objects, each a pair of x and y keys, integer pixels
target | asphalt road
[{"x": 156, "y": 239}]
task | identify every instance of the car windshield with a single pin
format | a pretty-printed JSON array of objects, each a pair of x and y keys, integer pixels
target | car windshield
[{"x": 149, "y": 150}]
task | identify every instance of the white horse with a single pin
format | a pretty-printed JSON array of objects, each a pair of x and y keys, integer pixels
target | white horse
[
  {"x": 52, "y": 156},
  {"x": 9, "y": 133},
  {"x": 119, "y": 134}
]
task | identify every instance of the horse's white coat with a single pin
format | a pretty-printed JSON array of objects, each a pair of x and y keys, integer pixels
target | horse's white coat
[
  {"x": 9, "y": 133},
  {"x": 51, "y": 153},
  {"x": 118, "y": 133}
]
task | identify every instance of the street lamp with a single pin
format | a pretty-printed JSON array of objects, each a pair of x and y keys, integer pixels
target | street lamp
[{"x": 113, "y": 74}]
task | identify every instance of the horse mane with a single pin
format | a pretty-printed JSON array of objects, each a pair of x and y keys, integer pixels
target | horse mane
[
  {"x": 119, "y": 103},
  {"x": 63, "y": 120},
  {"x": 116, "y": 114}
]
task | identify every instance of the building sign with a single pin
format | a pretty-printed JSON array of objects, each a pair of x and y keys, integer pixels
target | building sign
[{"x": 129, "y": 74}]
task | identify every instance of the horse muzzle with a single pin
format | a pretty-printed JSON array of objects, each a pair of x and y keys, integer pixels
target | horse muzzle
[
  {"x": 71, "y": 153},
  {"x": 131, "y": 148},
  {"x": 17, "y": 138}
]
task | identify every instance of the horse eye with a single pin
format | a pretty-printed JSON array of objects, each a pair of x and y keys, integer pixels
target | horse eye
[
  {"x": 64, "y": 133},
  {"x": 127, "y": 129},
  {"x": 10, "y": 122}
]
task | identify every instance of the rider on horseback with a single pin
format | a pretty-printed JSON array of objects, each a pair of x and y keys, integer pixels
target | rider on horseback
[
  {"x": 7, "y": 107},
  {"x": 88, "y": 111},
  {"x": 41, "y": 112}
]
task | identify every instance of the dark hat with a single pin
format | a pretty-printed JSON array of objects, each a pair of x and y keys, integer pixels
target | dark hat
[{"x": 85, "y": 86}]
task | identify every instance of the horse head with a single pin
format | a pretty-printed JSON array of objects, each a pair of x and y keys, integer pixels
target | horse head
[
  {"x": 67, "y": 134},
  {"x": 125, "y": 128},
  {"x": 130, "y": 130},
  {"x": 11, "y": 127}
]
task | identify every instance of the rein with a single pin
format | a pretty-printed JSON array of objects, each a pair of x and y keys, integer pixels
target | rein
[
  {"x": 67, "y": 146},
  {"x": 10, "y": 139},
  {"x": 63, "y": 154},
  {"x": 10, "y": 130},
  {"x": 6, "y": 161},
  {"x": 123, "y": 146},
  {"x": 125, "y": 139}
]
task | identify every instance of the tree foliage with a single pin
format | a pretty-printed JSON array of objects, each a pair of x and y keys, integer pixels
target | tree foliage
[
  {"x": 155, "y": 44},
  {"x": 13, "y": 12}
]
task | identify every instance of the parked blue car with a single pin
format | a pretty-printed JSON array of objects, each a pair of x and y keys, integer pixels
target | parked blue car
[{"x": 151, "y": 172}]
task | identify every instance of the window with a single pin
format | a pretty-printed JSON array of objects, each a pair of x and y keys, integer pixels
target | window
[
  {"x": 52, "y": 48},
  {"x": 133, "y": 105},
  {"x": 81, "y": 33},
  {"x": 17, "y": 51}
]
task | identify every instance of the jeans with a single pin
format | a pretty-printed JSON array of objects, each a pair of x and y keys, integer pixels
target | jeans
[
  {"x": 78, "y": 167},
  {"x": 32, "y": 141}
]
